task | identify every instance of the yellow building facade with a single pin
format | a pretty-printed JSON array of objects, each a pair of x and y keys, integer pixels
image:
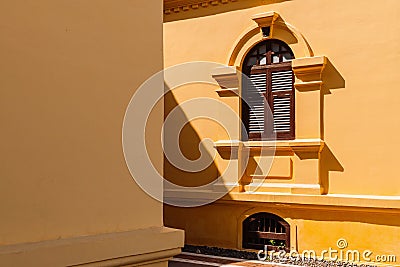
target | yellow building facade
[
  {"x": 336, "y": 179},
  {"x": 68, "y": 72}
]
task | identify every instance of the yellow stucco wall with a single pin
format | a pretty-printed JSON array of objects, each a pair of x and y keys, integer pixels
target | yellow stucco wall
[
  {"x": 357, "y": 121},
  {"x": 360, "y": 135},
  {"x": 315, "y": 228},
  {"x": 68, "y": 70}
]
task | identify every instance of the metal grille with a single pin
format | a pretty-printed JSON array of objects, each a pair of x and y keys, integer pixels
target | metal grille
[{"x": 262, "y": 229}]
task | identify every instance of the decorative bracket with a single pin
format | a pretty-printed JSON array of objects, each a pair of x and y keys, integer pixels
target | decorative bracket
[
  {"x": 266, "y": 19},
  {"x": 309, "y": 71},
  {"x": 227, "y": 78}
]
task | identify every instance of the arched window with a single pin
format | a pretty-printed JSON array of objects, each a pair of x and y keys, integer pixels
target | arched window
[
  {"x": 262, "y": 229},
  {"x": 268, "y": 66}
]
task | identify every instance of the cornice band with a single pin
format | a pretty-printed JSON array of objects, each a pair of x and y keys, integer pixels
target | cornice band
[{"x": 176, "y": 6}]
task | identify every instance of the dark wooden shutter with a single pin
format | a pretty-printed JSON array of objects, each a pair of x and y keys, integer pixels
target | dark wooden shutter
[
  {"x": 271, "y": 85},
  {"x": 255, "y": 99},
  {"x": 280, "y": 95}
]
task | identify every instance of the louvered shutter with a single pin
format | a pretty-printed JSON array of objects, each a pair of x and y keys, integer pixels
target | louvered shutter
[
  {"x": 256, "y": 100},
  {"x": 270, "y": 85},
  {"x": 281, "y": 100}
]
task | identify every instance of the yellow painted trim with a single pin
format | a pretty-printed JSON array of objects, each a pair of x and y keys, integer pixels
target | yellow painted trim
[
  {"x": 244, "y": 43},
  {"x": 177, "y": 6}
]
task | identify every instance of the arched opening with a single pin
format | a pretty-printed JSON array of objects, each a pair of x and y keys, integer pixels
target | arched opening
[
  {"x": 270, "y": 84},
  {"x": 264, "y": 228}
]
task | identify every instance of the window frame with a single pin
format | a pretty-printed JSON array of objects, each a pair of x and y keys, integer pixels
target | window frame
[{"x": 269, "y": 95}]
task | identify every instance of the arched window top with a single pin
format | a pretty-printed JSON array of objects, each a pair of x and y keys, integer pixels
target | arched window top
[
  {"x": 271, "y": 51},
  {"x": 269, "y": 69}
]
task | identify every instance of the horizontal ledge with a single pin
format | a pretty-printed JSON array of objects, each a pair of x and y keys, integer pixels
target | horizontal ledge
[
  {"x": 297, "y": 145},
  {"x": 137, "y": 248},
  {"x": 308, "y": 86},
  {"x": 227, "y": 143},
  {"x": 227, "y": 78},
  {"x": 263, "y": 176},
  {"x": 309, "y": 63},
  {"x": 289, "y": 185},
  {"x": 224, "y": 71},
  {"x": 339, "y": 200}
]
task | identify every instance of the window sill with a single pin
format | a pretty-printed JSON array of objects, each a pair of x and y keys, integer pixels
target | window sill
[{"x": 297, "y": 145}]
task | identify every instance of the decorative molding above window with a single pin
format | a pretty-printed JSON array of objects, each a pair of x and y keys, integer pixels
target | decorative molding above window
[
  {"x": 227, "y": 78},
  {"x": 309, "y": 71},
  {"x": 176, "y": 6},
  {"x": 265, "y": 19}
]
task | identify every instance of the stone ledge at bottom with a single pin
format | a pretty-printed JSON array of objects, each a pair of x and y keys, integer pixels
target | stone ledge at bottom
[{"x": 137, "y": 247}]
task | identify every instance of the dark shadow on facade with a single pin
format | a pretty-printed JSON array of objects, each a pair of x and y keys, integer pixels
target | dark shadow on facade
[
  {"x": 190, "y": 147},
  {"x": 332, "y": 78},
  {"x": 328, "y": 162}
]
